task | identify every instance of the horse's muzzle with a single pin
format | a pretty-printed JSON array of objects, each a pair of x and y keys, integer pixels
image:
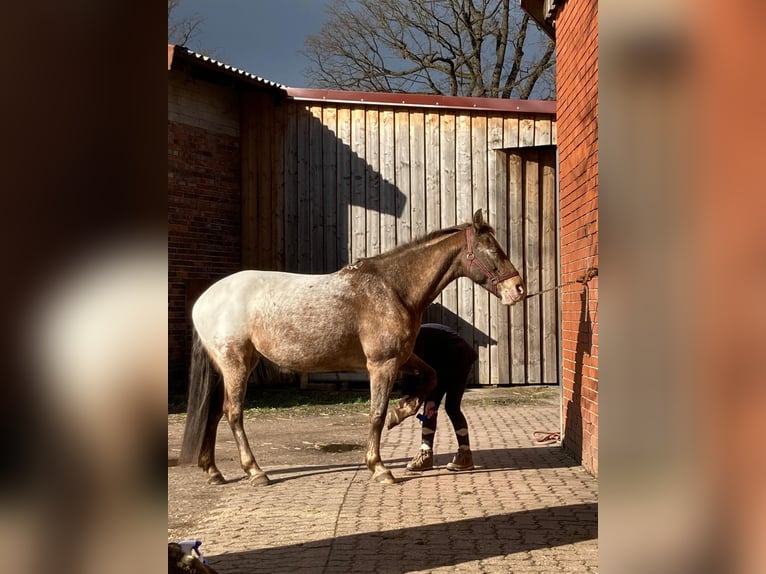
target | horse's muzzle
[{"x": 511, "y": 290}]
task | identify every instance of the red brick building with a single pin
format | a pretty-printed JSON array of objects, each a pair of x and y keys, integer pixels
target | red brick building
[
  {"x": 204, "y": 182},
  {"x": 574, "y": 25}
]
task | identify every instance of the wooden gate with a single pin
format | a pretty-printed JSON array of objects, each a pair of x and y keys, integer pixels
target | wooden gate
[{"x": 520, "y": 344}]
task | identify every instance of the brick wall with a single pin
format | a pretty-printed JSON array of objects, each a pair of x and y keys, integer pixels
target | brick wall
[
  {"x": 577, "y": 92},
  {"x": 204, "y": 203}
]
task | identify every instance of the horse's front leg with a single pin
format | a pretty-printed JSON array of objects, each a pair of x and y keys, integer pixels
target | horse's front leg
[
  {"x": 409, "y": 405},
  {"x": 382, "y": 378}
]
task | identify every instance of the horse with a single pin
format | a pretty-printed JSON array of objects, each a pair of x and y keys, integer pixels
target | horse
[{"x": 364, "y": 316}]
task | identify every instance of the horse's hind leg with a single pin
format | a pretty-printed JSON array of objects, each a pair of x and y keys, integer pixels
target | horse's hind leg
[
  {"x": 235, "y": 375},
  {"x": 207, "y": 452}
]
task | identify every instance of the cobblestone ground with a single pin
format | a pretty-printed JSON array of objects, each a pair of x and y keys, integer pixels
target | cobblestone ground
[{"x": 525, "y": 508}]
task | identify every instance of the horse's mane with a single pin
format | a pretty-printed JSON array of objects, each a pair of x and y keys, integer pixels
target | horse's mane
[{"x": 436, "y": 234}]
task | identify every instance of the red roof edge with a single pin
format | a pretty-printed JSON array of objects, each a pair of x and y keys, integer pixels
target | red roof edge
[
  {"x": 424, "y": 100},
  {"x": 540, "y": 107}
]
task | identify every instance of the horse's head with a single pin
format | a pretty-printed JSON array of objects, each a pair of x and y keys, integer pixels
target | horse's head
[{"x": 488, "y": 265}]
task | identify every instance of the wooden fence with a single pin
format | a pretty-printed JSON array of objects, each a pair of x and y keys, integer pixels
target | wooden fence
[{"x": 326, "y": 183}]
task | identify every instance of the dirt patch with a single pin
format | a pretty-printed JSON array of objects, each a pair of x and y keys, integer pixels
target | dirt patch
[{"x": 287, "y": 438}]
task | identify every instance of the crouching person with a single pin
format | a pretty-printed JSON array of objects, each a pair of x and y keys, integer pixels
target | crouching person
[{"x": 452, "y": 359}]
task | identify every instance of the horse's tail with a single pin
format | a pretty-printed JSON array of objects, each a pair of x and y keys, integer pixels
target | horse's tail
[{"x": 205, "y": 388}]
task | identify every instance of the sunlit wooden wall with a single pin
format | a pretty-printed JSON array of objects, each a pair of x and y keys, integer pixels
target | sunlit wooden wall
[{"x": 326, "y": 183}]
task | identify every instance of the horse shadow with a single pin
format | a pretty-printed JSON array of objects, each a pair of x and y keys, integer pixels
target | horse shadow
[
  {"x": 487, "y": 461},
  {"x": 406, "y": 549}
]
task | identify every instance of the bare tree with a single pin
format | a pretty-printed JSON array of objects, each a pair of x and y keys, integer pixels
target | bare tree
[
  {"x": 456, "y": 47},
  {"x": 182, "y": 31}
]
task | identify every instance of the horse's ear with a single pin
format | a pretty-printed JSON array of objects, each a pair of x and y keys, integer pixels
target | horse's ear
[{"x": 478, "y": 219}]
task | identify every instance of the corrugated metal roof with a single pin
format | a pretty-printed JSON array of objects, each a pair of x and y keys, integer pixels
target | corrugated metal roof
[
  {"x": 367, "y": 98},
  {"x": 181, "y": 51}
]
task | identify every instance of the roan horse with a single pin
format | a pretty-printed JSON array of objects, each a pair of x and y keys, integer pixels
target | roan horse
[{"x": 364, "y": 316}]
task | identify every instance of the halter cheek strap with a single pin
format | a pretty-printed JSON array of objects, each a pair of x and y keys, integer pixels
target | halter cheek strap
[{"x": 471, "y": 256}]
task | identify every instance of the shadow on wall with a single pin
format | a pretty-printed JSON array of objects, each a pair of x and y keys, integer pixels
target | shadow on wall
[
  {"x": 438, "y": 313},
  {"x": 315, "y": 196},
  {"x": 573, "y": 433}
]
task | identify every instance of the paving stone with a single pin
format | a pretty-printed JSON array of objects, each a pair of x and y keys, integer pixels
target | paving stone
[{"x": 525, "y": 508}]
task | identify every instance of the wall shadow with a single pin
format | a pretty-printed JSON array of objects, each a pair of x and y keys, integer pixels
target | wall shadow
[
  {"x": 323, "y": 179},
  {"x": 438, "y": 313},
  {"x": 405, "y": 549},
  {"x": 573, "y": 431}
]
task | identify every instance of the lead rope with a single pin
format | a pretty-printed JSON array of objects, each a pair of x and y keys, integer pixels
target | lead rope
[
  {"x": 544, "y": 437},
  {"x": 590, "y": 273}
]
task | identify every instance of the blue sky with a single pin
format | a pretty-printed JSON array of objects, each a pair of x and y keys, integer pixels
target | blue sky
[{"x": 259, "y": 36}]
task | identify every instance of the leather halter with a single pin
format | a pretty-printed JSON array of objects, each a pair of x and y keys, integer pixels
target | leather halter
[{"x": 471, "y": 256}]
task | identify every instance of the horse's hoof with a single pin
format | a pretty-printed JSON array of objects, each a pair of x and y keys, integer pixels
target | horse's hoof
[
  {"x": 384, "y": 477},
  {"x": 216, "y": 479},
  {"x": 392, "y": 419},
  {"x": 259, "y": 480}
]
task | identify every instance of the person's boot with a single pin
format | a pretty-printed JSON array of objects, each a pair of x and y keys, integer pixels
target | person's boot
[
  {"x": 424, "y": 460},
  {"x": 463, "y": 460}
]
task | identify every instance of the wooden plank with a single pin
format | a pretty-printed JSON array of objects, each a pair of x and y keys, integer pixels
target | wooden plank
[
  {"x": 372, "y": 158},
  {"x": 417, "y": 174},
  {"x": 402, "y": 170},
  {"x": 432, "y": 173},
  {"x": 358, "y": 184},
  {"x": 303, "y": 187},
  {"x": 263, "y": 129},
  {"x": 554, "y": 133},
  {"x": 316, "y": 191},
  {"x": 511, "y": 132},
  {"x": 278, "y": 187},
  {"x": 249, "y": 231},
  {"x": 497, "y": 218},
  {"x": 548, "y": 268},
  {"x": 291, "y": 189},
  {"x": 343, "y": 143},
  {"x": 542, "y": 130},
  {"x": 388, "y": 189},
  {"x": 500, "y": 362},
  {"x": 526, "y": 132},
  {"x": 330, "y": 188},
  {"x": 516, "y": 254},
  {"x": 481, "y": 297},
  {"x": 464, "y": 213},
  {"x": 532, "y": 266},
  {"x": 447, "y": 161},
  {"x": 433, "y": 193}
]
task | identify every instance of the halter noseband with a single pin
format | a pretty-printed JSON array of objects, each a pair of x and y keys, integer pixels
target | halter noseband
[{"x": 471, "y": 256}]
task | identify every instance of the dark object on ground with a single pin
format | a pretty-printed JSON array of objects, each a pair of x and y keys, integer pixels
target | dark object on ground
[{"x": 181, "y": 563}]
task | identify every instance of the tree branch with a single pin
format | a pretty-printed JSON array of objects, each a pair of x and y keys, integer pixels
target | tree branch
[{"x": 459, "y": 47}]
